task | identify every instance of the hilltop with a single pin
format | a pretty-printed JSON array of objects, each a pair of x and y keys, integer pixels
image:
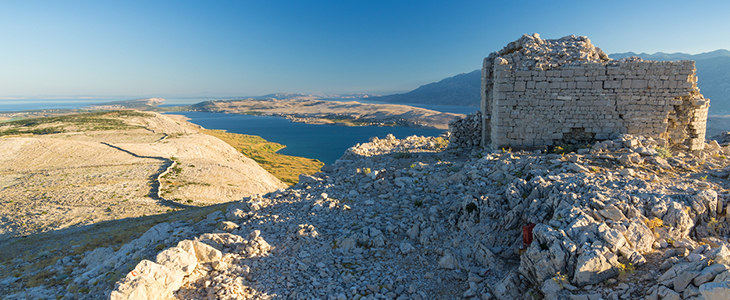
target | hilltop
[
  {"x": 81, "y": 169},
  {"x": 411, "y": 219}
]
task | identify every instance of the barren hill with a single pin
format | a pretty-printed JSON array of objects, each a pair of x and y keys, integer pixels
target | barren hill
[
  {"x": 106, "y": 166},
  {"x": 330, "y": 112}
]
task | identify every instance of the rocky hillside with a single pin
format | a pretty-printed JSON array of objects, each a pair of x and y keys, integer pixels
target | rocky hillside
[
  {"x": 83, "y": 169},
  {"x": 407, "y": 219}
]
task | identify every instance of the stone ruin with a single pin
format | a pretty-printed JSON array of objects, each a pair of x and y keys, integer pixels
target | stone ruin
[{"x": 538, "y": 92}]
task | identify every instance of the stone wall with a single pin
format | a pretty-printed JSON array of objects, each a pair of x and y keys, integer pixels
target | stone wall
[
  {"x": 466, "y": 132},
  {"x": 546, "y": 92}
]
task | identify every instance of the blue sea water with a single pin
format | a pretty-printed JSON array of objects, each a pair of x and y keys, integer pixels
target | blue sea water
[
  {"x": 323, "y": 142},
  {"x": 9, "y": 105},
  {"x": 25, "y": 104}
]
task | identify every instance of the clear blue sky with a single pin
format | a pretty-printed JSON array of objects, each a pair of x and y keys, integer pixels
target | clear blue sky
[{"x": 249, "y": 48}]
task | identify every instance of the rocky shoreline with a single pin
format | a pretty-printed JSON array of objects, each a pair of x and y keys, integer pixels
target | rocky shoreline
[{"x": 407, "y": 219}]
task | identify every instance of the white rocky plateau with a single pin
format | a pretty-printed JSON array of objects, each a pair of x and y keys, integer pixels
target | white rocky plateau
[{"x": 405, "y": 219}]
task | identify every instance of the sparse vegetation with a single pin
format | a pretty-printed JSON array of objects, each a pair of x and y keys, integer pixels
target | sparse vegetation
[
  {"x": 625, "y": 270},
  {"x": 94, "y": 121},
  {"x": 402, "y": 154},
  {"x": 441, "y": 142},
  {"x": 568, "y": 148},
  {"x": 663, "y": 152},
  {"x": 654, "y": 223},
  {"x": 286, "y": 168}
]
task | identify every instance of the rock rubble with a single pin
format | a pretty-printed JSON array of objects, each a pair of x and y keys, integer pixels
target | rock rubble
[
  {"x": 466, "y": 132},
  {"x": 406, "y": 219}
]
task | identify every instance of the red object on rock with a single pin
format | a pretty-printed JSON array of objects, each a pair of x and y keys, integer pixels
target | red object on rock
[{"x": 527, "y": 234}]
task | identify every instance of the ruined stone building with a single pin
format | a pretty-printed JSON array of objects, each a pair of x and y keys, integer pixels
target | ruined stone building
[{"x": 539, "y": 92}]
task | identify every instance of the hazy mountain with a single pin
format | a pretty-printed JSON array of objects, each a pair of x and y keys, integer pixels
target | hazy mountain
[
  {"x": 713, "y": 70},
  {"x": 460, "y": 90},
  {"x": 661, "y": 56}
]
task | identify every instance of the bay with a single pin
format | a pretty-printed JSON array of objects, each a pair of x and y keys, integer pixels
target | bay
[{"x": 326, "y": 143}]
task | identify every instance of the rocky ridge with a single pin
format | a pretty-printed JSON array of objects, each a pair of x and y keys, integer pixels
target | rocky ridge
[{"x": 404, "y": 219}]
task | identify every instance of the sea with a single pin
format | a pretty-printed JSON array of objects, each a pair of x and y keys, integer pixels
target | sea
[
  {"x": 326, "y": 143},
  {"x": 323, "y": 142}
]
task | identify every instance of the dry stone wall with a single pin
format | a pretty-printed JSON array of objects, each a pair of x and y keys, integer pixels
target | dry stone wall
[
  {"x": 466, "y": 132},
  {"x": 539, "y": 92}
]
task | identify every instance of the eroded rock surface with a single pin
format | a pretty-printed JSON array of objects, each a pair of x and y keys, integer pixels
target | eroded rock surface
[{"x": 396, "y": 219}]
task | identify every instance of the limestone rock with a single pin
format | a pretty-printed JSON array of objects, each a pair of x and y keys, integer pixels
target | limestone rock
[
  {"x": 716, "y": 290},
  {"x": 220, "y": 240},
  {"x": 148, "y": 281},
  {"x": 678, "y": 218},
  {"x": 551, "y": 252},
  {"x": 709, "y": 273},
  {"x": 639, "y": 236},
  {"x": 668, "y": 294},
  {"x": 227, "y": 226},
  {"x": 508, "y": 287},
  {"x": 448, "y": 261},
  {"x": 683, "y": 279},
  {"x": 721, "y": 255},
  {"x": 592, "y": 267},
  {"x": 178, "y": 258},
  {"x": 612, "y": 213},
  {"x": 613, "y": 238},
  {"x": 206, "y": 253}
]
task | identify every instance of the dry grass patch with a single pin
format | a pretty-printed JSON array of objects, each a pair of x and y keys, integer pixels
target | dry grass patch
[{"x": 284, "y": 167}]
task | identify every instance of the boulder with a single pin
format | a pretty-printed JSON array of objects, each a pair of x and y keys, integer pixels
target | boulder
[
  {"x": 612, "y": 213},
  {"x": 666, "y": 293},
  {"x": 716, "y": 290},
  {"x": 227, "y": 226},
  {"x": 705, "y": 201},
  {"x": 592, "y": 267},
  {"x": 219, "y": 240},
  {"x": 508, "y": 287},
  {"x": 448, "y": 261},
  {"x": 613, "y": 238},
  {"x": 178, "y": 259},
  {"x": 550, "y": 253},
  {"x": 235, "y": 214},
  {"x": 206, "y": 253},
  {"x": 721, "y": 255},
  {"x": 683, "y": 279},
  {"x": 148, "y": 281},
  {"x": 709, "y": 273},
  {"x": 680, "y": 221},
  {"x": 639, "y": 236}
]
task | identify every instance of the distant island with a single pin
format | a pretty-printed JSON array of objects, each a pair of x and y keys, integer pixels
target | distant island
[{"x": 314, "y": 111}]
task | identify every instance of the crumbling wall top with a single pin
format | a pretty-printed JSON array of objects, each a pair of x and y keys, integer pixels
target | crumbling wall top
[{"x": 530, "y": 52}]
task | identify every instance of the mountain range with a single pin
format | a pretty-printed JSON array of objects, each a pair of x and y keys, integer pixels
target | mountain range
[
  {"x": 713, "y": 70},
  {"x": 460, "y": 90}
]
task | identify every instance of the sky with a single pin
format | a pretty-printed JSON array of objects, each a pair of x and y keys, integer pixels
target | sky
[{"x": 250, "y": 48}]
